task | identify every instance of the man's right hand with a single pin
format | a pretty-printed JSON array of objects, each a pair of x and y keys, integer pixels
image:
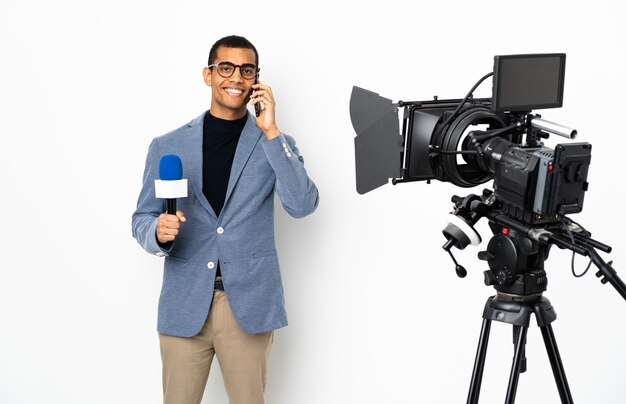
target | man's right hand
[{"x": 168, "y": 226}]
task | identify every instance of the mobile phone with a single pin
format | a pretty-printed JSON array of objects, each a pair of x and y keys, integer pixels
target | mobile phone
[{"x": 257, "y": 106}]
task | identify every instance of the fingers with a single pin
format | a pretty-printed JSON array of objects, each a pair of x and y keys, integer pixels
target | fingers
[
  {"x": 263, "y": 97},
  {"x": 259, "y": 86},
  {"x": 259, "y": 91},
  {"x": 260, "y": 94},
  {"x": 266, "y": 120},
  {"x": 168, "y": 226},
  {"x": 262, "y": 91}
]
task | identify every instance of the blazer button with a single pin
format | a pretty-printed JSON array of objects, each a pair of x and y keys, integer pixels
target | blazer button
[
  {"x": 220, "y": 230},
  {"x": 210, "y": 265}
]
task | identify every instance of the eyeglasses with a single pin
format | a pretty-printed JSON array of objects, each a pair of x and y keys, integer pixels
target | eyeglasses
[{"x": 226, "y": 69}]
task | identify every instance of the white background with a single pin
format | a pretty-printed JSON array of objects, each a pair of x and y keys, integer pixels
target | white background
[{"x": 377, "y": 314}]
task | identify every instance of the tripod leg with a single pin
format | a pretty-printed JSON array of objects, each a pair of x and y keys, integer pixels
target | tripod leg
[
  {"x": 517, "y": 362},
  {"x": 557, "y": 366},
  {"x": 479, "y": 363},
  {"x": 516, "y": 330}
]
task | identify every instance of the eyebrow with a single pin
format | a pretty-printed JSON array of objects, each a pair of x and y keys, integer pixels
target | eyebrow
[{"x": 232, "y": 63}]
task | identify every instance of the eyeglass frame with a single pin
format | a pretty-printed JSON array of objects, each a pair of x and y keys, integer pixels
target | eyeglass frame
[{"x": 258, "y": 69}]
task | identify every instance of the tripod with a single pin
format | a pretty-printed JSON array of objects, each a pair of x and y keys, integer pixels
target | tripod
[
  {"x": 516, "y": 255},
  {"x": 516, "y": 310}
]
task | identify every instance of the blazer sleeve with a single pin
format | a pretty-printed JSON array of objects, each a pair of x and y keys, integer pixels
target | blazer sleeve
[
  {"x": 149, "y": 208},
  {"x": 298, "y": 194}
]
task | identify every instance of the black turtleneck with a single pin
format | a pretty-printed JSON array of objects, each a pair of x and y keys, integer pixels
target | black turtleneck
[{"x": 219, "y": 142}]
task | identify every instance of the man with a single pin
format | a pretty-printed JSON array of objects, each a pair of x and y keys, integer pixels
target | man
[{"x": 222, "y": 293}]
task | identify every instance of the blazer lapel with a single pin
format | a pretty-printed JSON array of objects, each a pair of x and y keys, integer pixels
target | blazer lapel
[
  {"x": 248, "y": 140},
  {"x": 194, "y": 147}
]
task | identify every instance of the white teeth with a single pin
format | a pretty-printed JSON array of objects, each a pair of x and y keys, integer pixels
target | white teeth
[{"x": 233, "y": 91}]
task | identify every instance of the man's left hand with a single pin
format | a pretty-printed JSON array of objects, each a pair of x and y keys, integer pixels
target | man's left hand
[{"x": 266, "y": 121}]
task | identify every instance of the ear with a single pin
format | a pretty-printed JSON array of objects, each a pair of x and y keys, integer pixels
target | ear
[{"x": 206, "y": 74}]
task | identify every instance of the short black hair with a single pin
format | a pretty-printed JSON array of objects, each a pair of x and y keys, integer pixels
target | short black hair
[{"x": 232, "y": 41}]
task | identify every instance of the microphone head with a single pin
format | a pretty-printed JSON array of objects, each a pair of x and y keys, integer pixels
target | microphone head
[{"x": 170, "y": 168}]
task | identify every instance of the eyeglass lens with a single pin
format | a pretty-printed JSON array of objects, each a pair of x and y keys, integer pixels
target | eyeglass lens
[{"x": 226, "y": 69}]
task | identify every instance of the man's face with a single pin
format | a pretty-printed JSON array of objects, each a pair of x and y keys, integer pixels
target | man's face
[{"x": 230, "y": 94}]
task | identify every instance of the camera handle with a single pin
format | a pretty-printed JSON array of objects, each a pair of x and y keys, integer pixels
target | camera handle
[
  {"x": 586, "y": 246},
  {"x": 469, "y": 210},
  {"x": 606, "y": 272}
]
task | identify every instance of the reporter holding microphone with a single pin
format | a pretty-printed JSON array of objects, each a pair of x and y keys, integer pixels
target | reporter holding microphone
[
  {"x": 170, "y": 186},
  {"x": 222, "y": 293},
  {"x": 168, "y": 226}
]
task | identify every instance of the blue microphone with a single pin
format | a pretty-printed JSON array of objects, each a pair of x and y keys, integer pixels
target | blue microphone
[
  {"x": 171, "y": 184},
  {"x": 170, "y": 168}
]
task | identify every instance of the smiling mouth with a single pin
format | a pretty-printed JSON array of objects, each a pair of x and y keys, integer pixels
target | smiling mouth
[{"x": 235, "y": 92}]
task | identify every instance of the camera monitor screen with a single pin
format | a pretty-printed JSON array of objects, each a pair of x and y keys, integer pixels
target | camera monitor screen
[{"x": 527, "y": 82}]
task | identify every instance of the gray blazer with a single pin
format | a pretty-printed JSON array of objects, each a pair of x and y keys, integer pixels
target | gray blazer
[{"x": 241, "y": 238}]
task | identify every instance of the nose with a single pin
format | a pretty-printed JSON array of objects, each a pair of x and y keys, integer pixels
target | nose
[{"x": 237, "y": 75}]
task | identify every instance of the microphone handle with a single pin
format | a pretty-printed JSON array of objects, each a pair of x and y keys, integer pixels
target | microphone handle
[{"x": 170, "y": 206}]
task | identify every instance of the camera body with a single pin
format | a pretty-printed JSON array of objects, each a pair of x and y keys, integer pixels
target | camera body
[
  {"x": 471, "y": 141},
  {"x": 537, "y": 184}
]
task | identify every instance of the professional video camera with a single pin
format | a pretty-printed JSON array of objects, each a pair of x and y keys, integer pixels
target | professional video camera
[{"x": 470, "y": 141}]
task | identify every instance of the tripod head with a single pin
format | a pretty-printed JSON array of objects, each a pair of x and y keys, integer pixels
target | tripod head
[{"x": 517, "y": 251}]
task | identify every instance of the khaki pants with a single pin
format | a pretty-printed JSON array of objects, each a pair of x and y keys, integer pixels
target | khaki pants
[{"x": 242, "y": 357}]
